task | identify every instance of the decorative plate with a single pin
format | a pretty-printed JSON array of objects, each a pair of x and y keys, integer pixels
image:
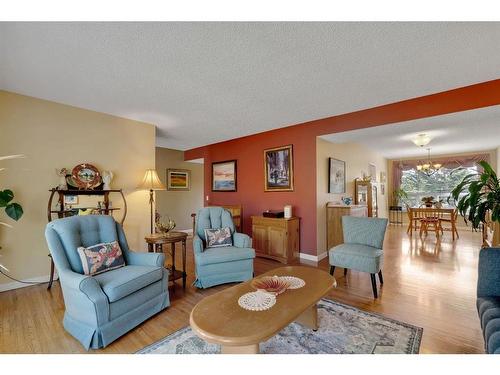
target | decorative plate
[
  {"x": 271, "y": 284},
  {"x": 85, "y": 176},
  {"x": 295, "y": 282},
  {"x": 257, "y": 301}
]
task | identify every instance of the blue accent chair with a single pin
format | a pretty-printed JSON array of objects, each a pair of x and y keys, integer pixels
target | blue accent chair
[
  {"x": 101, "y": 308},
  {"x": 362, "y": 247},
  {"x": 488, "y": 298},
  {"x": 220, "y": 265}
]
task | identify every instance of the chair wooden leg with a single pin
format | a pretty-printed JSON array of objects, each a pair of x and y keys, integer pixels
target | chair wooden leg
[
  {"x": 345, "y": 272},
  {"x": 380, "y": 277},
  {"x": 374, "y": 285},
  {"x": 332, "y": 270}
]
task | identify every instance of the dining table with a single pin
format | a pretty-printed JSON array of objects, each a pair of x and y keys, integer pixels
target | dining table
[{"x": 442, "y": 214}]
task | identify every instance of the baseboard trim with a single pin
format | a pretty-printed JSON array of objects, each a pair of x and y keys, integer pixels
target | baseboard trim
[
  {"x": 313, "y": 258},
  {"x": 17, "y": 285}
]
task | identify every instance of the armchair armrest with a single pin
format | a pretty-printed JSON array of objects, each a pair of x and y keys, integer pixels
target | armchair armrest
[
  {"x": 488, "y": 282},
  {"x": 145, "y": 259},
  {"x": 242, "y": 240},
  {"x": 82, "y": 290},
  {"x": 197, "y": 244}
]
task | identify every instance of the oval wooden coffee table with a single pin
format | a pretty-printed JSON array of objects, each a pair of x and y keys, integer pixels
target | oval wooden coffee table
[{"x": 219, "y": 319}]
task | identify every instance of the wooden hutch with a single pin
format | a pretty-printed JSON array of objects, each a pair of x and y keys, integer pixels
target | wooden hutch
[{"x": 365, "y": 193}]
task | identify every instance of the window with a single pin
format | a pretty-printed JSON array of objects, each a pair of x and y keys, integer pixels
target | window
[{"x": 439, "y": 185}]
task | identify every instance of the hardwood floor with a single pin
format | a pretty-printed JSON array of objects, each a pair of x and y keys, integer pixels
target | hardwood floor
[{"x": 428, "y": 283}]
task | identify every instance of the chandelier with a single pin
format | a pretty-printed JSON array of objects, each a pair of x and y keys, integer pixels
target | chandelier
[{"x": 429, "y": 168}]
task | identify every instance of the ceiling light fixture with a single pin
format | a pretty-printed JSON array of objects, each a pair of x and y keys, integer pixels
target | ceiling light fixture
[{"x": 422, "y": 140}]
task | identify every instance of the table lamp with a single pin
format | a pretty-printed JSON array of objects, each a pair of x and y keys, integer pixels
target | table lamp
[{"x": 151, "y": 182}]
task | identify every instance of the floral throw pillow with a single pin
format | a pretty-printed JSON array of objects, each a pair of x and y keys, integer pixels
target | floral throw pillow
[
  {"x": 218, "y": 237},
  {"x": 101, "y": 258}
]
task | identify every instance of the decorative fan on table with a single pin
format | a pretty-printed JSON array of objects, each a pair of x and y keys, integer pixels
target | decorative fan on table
[{"x": 271, "y": 284}]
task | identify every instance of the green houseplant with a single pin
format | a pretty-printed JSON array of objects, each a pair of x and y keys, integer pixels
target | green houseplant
[
  {"x": 12, "y": 209},
  {"x": 482, "y": 195},
  {"x": 399, "y": 196}
]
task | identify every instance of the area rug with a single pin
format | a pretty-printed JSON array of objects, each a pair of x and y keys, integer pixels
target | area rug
[{"x": 343, "y": 330}]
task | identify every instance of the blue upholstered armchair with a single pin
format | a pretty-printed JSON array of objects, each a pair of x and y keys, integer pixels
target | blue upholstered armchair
[
  {"x": 101, "y": 308},
  {"x": 220, "y": 265},
  {"x": 488, "y": 298},
  {"x": 362, "y": 247}
]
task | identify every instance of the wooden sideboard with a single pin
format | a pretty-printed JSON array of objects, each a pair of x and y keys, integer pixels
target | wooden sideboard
[
  {"x": 276, "y": 239},
  {"x": 334, "y": 213}
]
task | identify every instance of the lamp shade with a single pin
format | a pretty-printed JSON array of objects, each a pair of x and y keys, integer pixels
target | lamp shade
[{"x": 151, "y": 181}]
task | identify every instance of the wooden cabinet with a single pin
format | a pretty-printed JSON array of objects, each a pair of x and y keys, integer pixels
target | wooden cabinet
[
  {"x": 276, "y": 239},
  {"x": 366, "y": 194},
  {"x": 334, "y": 213}
]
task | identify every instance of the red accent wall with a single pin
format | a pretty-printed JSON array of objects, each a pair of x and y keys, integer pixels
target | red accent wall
[{"x": 249, "y": 152}]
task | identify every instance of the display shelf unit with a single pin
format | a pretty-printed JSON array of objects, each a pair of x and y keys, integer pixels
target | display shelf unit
[
  {"x": 62, "y": 212},
  {"x": 365, "y": 193}
]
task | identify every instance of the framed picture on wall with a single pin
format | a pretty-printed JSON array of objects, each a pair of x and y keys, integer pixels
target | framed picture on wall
[
  {"x": 278, "y": 169},
  {"x": 178, "y": 179},
  {"x": 224, "y": 176},
  {"x": 336, "y": 176}
]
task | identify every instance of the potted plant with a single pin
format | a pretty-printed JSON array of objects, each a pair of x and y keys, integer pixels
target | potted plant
[
  {"x": 399, "y": 196},
  {"x": 428, "y": 201},
  {"x": 482, "y": 195},
  {"x": 12, "y": 209}
]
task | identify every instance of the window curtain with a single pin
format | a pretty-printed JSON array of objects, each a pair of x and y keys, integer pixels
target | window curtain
[{"x": 447, "y": 162}]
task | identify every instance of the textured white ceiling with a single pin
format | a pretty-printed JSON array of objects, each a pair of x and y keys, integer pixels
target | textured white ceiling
[
  {"x": 467, "y": 131},
  {"x": 202, "y": 83}
]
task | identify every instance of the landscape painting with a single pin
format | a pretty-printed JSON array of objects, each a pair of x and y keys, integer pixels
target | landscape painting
[
  {"x": 224, "y": 176},
  {"x": 278, "y": 169},
  {"x": 178, "y": 179},
  {"x": 336, "y": 173}
]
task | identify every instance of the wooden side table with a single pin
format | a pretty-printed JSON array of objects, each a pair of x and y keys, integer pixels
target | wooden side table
[{"x": 155, "y": 243}]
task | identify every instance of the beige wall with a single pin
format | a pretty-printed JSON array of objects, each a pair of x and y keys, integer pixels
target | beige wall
[
  {"x": 53, "y": 135},
  {"x": 179, "y": 205},
  {"x": 357, "y": 158}
]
